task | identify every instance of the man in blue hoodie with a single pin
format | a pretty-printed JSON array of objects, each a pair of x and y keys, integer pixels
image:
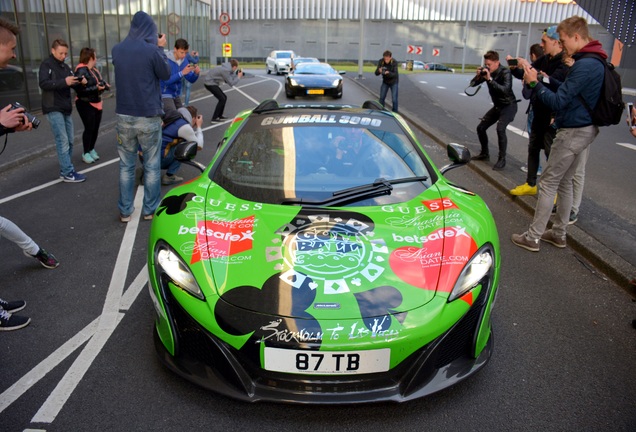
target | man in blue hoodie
[
  {"x": 140, "y": 65},
  {"x": 180, "y": 68},
  {"x": 574, "y": 135}
]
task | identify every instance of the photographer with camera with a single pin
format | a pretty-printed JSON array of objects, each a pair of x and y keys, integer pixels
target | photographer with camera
[
  {"x": 388, "y": 68},
  {"x": 499, "y": 80},
  {"x": 89, "y": 102},
  {"x": 181, "y": 69},
  {"x": 14, "y": 118},
  {"x": 217, "y": 76},
  {"x": 56, "y": 80}
]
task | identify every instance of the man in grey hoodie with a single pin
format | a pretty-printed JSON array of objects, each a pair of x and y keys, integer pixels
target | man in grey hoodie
[
  {"x": 140, "y": 65},
  {"x": 217, "y": 76}
]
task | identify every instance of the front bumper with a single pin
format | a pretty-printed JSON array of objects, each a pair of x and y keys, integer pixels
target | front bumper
[{"x": 209, "y": 362}]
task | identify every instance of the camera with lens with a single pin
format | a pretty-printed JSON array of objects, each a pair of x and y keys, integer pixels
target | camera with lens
[
  {"x": 239, "y": 71},
  {"x": 32, "y": 119},
  {"x": 483, "y": 71},
  {"x": 384, "y": 69}
]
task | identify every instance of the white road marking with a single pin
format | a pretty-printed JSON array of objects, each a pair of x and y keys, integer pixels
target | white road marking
[
  {"x": 424, "y": 82},
  {"x": 441, "y": 87},
  {"x": 626, "y": 145},
  {"x": 106, "y": 325},
  {"x": 518, "y": 131},
  {"x": 462, "y": 94},
  {"x": 58, "y": 356}
]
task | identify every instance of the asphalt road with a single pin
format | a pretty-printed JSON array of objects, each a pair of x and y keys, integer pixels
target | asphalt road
[{"x": 564, "y": 349}]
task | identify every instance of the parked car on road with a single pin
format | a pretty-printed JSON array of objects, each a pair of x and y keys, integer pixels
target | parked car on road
[
  {"x": 279, "y": 61},
  {"x": 417, "y": 64},
  {"x": 438, "y": 67}
]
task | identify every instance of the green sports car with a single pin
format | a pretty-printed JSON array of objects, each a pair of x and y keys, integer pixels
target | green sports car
[{"x": 322, "y": 258}]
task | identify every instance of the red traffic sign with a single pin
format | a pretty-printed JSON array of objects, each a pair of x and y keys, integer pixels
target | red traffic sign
[
  {"x": 224, "y": 29},
  {"x": 435, "y": 52},
  {"x": 412, "y": 49},
  {"x": 224, "y": 18},
  {"x": 418, "y": 50}
]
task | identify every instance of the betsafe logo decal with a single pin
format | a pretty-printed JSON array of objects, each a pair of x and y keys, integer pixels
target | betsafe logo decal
[
  {"x": 438, "y": 262},
  {"x": 219, "y": 239}
]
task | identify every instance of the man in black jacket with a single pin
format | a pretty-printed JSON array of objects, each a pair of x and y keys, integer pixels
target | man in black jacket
[
  {"x": 56, "y": 80},
  {"x": 499, "y": 81},
  {"x": 543, "y": 129},
  {"x": 388, "y": 68}
]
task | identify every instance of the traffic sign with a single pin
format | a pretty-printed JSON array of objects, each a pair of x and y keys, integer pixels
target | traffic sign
[
  {"x": 435, "y": 52},
  {"x": 227, "y": 50},
  {"x": 224, "y": 18},
  {"x": 412, "y": 49},
  {"x": 224, "y": 29}
]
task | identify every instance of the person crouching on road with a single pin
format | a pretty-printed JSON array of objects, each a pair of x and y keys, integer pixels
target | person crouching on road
[
  {"x": 181, "y": 125},
  {"x": 217, "y": 76}
]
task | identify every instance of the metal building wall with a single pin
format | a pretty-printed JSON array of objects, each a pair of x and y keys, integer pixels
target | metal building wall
[{"x": 505, "y": 11}]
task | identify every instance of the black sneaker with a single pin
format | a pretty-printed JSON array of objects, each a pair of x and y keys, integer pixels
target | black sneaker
[
  {"x": 46, "y": 259},
  {"x": 12, "y": 322},
  {"x": 12, "y": 306}
]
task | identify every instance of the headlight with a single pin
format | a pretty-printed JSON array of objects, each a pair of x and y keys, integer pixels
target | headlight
[
  {"x": 335, "y": 83},
  {"x": 177, "y": 270},
  {"x": 293, "y": 82},
  {"x": 479, "y": 266}
]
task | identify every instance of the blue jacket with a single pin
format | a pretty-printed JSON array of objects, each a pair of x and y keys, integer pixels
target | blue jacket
[
  {"x": 171, "y": 87},
  {"x": 140, "y": 64},
  {"x": 585, "y": 78}
]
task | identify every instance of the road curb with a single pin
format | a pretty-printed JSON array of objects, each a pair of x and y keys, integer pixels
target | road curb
[{"x": 600, "y": 256}]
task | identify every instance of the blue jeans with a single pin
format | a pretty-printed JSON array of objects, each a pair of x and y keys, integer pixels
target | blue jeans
[
  {"x": 132, "y": 133},
  {"x": 187, "y": 88},
  {"x": 569, "y": 151},
  {"x": 62, "y": 127},
  {"x": 394, "y": 95},
  {"x": 169, "y": 163}
]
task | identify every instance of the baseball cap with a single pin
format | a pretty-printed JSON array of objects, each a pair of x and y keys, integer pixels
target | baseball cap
[{"x": 551, "y": 32}]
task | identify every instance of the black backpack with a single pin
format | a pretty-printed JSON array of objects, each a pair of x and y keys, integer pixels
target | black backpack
[{"x": 609, "y": 108}]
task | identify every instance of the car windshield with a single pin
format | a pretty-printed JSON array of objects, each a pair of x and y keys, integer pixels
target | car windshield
[
  {"x": 315, "y": 69},
  {"x": 283, "y": 55},
  {"x": 278, "y": 159}
]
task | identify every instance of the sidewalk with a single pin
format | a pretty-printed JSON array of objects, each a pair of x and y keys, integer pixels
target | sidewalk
[
  {"x": 22, "y": 147},
  {"x": 596, "y": 252}
]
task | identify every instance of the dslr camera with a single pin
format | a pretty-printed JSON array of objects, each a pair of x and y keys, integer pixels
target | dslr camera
[
  {"x": 483, "y": 71},
  {"x": 32, "y": 119}
]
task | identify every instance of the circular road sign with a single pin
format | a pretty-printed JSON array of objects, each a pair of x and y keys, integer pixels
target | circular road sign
[
  {"x": 224, "y": 18},
  {"x": 224, "y": 29}
]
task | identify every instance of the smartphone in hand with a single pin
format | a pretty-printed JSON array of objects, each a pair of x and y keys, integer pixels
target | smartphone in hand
[
  {"x": 630, "y": 115},
  {"x": 513, "y": 62}
]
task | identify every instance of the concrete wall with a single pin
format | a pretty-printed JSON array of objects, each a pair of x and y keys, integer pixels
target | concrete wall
[{"x": 253, "y": 40}]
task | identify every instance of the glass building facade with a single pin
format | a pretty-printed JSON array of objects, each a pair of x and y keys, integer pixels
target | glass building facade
[{"x": 99, "y": 24}]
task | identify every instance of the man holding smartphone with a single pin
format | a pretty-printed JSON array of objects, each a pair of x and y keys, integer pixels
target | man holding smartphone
[
  {"x": 180, "y": 68},
  {"x": 56, "y": 80}
]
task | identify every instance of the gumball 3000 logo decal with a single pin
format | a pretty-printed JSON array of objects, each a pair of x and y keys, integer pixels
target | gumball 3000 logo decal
[
  {"x": 335, "y": 250},
  {"x": 438, "y": 262}
]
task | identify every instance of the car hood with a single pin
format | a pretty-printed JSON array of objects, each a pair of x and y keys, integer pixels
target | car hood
[
  {"x": 282, "y": 260},
  {"x": 315, "y": 80}
]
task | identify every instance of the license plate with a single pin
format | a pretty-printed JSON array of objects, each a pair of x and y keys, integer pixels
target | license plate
[
  {"x": 327, "y": 362},
  {"x": 318, "y": 91}
]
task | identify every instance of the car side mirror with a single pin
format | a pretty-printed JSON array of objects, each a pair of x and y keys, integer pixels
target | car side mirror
[
  {"x": 458, "y": 155},
  {"x": 185, "y": 152}
]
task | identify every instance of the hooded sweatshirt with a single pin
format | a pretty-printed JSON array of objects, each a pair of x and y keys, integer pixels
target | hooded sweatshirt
[
  {"x": 140, "y": 65},
  {"x": 172, "y": 87},
  {"x": 585, "y": 78}
]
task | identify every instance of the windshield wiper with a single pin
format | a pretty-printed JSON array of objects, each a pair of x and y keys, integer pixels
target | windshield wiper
[{"x": 379, "y": 187}]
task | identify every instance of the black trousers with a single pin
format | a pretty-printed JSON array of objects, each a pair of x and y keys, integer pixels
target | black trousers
[
  {"x": 541, "y": 137},
  {"x": 218, "y": 93},
  {"x": 91, "y": 118},
  {"x": 503, "y": 116}
]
